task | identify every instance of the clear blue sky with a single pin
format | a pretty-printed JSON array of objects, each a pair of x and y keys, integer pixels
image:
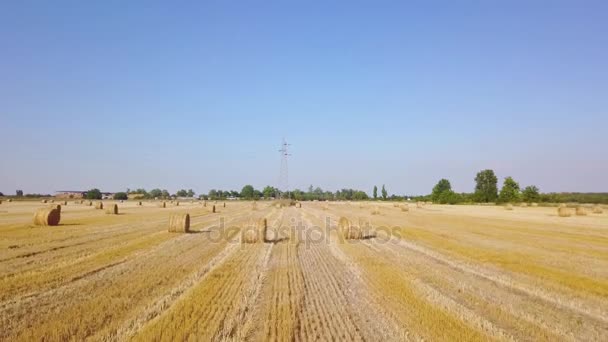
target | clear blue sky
[{"x": 117, "y": 94}]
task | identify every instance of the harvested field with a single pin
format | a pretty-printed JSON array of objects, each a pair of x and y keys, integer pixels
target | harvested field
[{"x": 451, "y": 273}]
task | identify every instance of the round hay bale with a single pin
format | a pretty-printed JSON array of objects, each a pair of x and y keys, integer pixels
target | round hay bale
[
  {"x": 581, "y": 211},
  {"x": 376, "y": 210},
  {"x": 89, "y": 203},
  {"x": 163, "y": 204},
  {"x": 112, "y": 209},
  {"x": 9, "y": 200},
  {"x": 255, "y": 232},
  {"x": 44, "y": 201},
  {"x": 224, "y": 204},
  {"x": 140, "y": 203},
  {"x": 419, "y": 204},
  {"x": 0, "y": 201},
  {"x": 47, "y": 217},
  {"x": 562, "y": 205},
  {"x": 99, "y": 205},
  {"x": 179, "y": 223},
  {"x": 52, "y": 201},
  {"x": 563, "y": 212},
  {"x": 597, "y": 210},
  {"x": 534, "y": 204},
  {"x": 509, "y": 206},
  {"x": 213, "y": 209},
  {"x": 405, "y": 207},
  {"x": 204, "y": 203},
  {"x": 254, "y": 206},
  {"x": 298, "y": 205},
  {"x": 523, "y": 204}
]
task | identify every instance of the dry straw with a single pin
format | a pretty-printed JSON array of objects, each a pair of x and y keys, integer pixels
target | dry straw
[
  {"x": 139, "y": 203},
  {"x": 224, "y": 204},
  {"x": 179, "y": 223},
  {"x": 213, "y": 209},
  {"x": 523, "y": 204},
  {"x": 99, "y": 205},
  {"x": 405, "y": 207},
  {"x": 89, "y": 203},
  {"x": 112, "y": 209},
  {"x": 597, "y": 209},
  {"x": 47, "y": 217},
  {"x": 376, "y": 210},
  {"x": 563, "y": 211},
  {"x": 9, "y": 200},
  {"x": 44, "y": 201},
  {"x": 163, "y": 204},
  {"x": 509, "y": 206},
  {"x": 255, "y": 231},
  {"x": 534, "y": 205},
  {"x": 254, "y": 206},
  {"x": 177, "y": 204},
  {"x": 419, "y": 204},
  {"x": 581, "y": 211},
  {"x": 298, "y": 205}
]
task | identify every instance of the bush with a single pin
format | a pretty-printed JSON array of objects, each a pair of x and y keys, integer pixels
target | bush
[
  {"x": 93, "y": 194},
  {"x": 121, "y": 196}
]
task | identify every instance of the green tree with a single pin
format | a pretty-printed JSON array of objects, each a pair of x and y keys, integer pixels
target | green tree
[
  {"x": 93, "y": 194},
  {"x": 165, "y": 194},
  {"x": 509, "y": 191},
  {"x": 530, "y": 194},
  {"x": 155, "y": 193},
  {"x": 439, "y": 189},
  {"x": 384, "y": 193},
  {"x": 486, "y": 186},
  {"x": 19, "y": 193},
  {"x": 375, "y": 192},
  {"x": 269, "y": 192},
  {"x": 190, "y": 193},
  {"x": 247, "y": 192},
  {"x": 121, "y": 196},
  {"x": 182, "y": 193}
]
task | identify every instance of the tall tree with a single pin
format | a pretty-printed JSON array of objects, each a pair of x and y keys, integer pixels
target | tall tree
[
  {"x": 384, "y": 193},
  {"x": 440, "y": 189},
  {"x": 486, "y": 186},
  {"x": 19, "y": 193},
  {"x": 530, "y": 194},
  {"x": 93, "y": 194},
  {"x": 509, "y": 191},
  {"x": 375, "y": 192},
  {"x": 190, "y": 193},
  {"x": 248, "y": 192}
]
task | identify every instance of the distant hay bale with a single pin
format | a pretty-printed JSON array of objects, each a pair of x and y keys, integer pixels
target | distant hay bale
[
  {"x": 562, "y": 205},
  {"x": 523, "y": 204},
  {"x": 0, "y": 201},
  {"x": 224, "y": 204},
  {"x": 376, "y": 210},
  {"x": 348, "y": 231},
  {"x": 163, "y": 204},
  {"x": 395, "y": 205},
  {"x": 47, "y": 217},
  {"x": 177, "y": 204},
  {"x": 419, "y": 204},
  {"x": 254, "y": 206},
  {"x": 597, "y": 210},
  {"x": 581, "y": 211},
  {"x": 563, "y": 211},
  {"x": 534, "y": 204},
  {"x": 204, "y": 203},
  {"x": 179, "y": 223},
  {"x": 139, "y": 203},
  {"x": 213, "y": 209},
  {"x": 298, "y": 205},
  {"x": 99, "y": 205},
  {"x": 112, "y": 209},
  {"x": 509, "y": 206},
  {"x": 44, "y": 201},
  {"x": 9, "y": 200},
  {"x": 405, "y": 207},
  {"x": 52, "y": 201},
  {"x": 255, "y": 232}
]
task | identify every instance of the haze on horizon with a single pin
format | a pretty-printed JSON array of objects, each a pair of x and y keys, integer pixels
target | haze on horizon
[{"x": 120, "y": 95}]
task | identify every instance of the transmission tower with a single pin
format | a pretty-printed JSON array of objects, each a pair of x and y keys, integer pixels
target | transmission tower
[{"x": 284, "y": 175}]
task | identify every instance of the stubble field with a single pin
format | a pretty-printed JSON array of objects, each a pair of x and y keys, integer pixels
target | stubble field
[{"x": 433, "y": 273}]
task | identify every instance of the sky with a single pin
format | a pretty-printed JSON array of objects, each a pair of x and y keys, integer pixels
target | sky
[{"x": 199, "y": 94}]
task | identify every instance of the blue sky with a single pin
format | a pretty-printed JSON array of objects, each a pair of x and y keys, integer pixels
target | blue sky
[{"x": 116, "y": 94}]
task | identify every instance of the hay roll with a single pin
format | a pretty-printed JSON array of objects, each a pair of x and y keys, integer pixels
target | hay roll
[
  {"x": 44, "y": 201},
  {"x": 534, "y": 204},
  {"x": 9, "y": 200},
  {"x": 112, "y": 209},
  {"x": 563, "y": 211},
  {"x": 224, "y": 204},
  {"x": 581, "y": 211},
  {"x": 597, "y": 209},
  {"x": 509, "y": 206},
  {"x": 376, "y": 210},
  {"x": 419, "y": 204},
  {"x": 47, "y": 217},
  {"x": 179, "y": 223},
  {"x": 213, "y": 209},
  {"x": 99, "y": 205},
  {"x": 255, "y": 232},
  {"x": 298, "y": 205},
  {"x": 140, "y": 203},
  {"x": 163, "y": 204},
  {"x": 254, "y": 206},
  {"x": 405, "y": 207},
  {"x": 177, "y": 204}
]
